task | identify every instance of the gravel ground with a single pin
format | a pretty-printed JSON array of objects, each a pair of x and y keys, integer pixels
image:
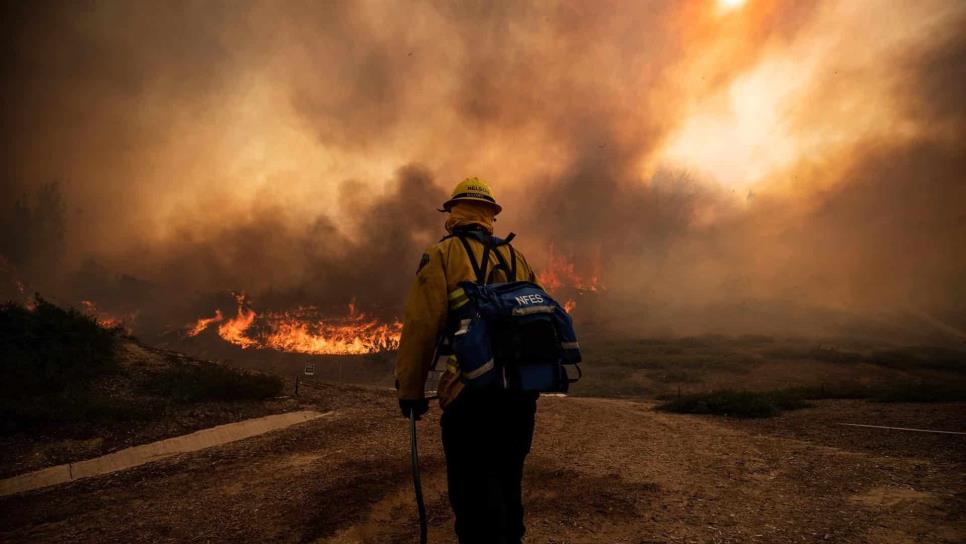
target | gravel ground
[{"x": 600, "y": 471}]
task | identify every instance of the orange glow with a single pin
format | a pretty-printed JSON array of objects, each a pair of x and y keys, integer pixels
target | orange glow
[
  {"x": 203, "y": 323},
  {"x": 730, "y": 4},
  {"x": 561, "y": 272},
  {"x": 103, "y": 319},
  {"x": 570, "y": 305},
  {"x": 303, "y": 330}
]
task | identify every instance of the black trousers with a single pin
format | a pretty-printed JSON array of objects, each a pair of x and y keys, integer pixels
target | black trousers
[{"x": 486, "y": 438}]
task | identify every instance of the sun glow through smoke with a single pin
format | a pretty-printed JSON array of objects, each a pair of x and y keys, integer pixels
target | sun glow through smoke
[{"x": 730, "y": 4}]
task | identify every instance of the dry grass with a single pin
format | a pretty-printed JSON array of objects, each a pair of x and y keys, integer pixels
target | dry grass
[{"x": 836, "y": 368}]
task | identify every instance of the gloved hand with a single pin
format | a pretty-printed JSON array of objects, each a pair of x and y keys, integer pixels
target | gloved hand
[{"x": 419, "y": 406}]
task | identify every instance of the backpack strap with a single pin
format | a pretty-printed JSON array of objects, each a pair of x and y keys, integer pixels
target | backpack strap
[
  {"x": 477, "y": 269},
  {"x": 513, "y": 263},
  {"x": 511, "y": 270},
  {"x": 503, "y": 265},
  {"x": 490, "y": 243}
]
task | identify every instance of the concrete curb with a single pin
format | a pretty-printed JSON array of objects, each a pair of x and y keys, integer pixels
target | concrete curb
[{"x": 147, "y": 453}]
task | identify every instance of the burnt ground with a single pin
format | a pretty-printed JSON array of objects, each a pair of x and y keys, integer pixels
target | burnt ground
[{"x": 601, "y": 470}]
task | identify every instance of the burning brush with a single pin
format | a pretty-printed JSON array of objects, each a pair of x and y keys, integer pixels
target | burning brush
[
  {"x": 303, "y": 330},
  {"x": 561, "y": 275}
]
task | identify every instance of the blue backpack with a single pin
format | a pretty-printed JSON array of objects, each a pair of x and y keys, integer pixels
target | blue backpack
[{"x": 509, "y": 335}]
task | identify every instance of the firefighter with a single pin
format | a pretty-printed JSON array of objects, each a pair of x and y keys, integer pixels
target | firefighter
[{"x": 486, "y": 434}]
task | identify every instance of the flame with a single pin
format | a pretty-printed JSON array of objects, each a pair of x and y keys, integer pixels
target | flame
[
  {"x": 103, "y": 319},
  {"x": 569, "y": 305},
  {"x": 354, "y": 334},
  {"x": 203, "y": 323},
  {"x": 234, "y": 329},
  {"x": 561, "y": 272},
  {"x": 303, "y": 330}
]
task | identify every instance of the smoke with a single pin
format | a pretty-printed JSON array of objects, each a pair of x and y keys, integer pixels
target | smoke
[{"x": 763, "y": 167}]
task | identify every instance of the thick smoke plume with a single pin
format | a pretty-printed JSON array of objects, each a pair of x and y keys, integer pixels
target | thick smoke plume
[{"x": 791, "y": 167}]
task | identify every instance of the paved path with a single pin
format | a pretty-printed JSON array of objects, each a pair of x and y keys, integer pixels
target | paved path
[{"x": 146, "y": 453}]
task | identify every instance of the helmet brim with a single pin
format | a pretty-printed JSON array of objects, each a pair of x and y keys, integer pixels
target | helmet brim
[{"x": 448, "y": 205}]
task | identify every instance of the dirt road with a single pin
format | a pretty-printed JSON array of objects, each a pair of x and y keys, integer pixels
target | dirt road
[{"x": 600, "y": 471}]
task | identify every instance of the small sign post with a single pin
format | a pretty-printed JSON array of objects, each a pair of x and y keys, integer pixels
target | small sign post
[{"x": 307, "y": 372}]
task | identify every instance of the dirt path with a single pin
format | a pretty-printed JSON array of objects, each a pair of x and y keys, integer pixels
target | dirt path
[{"x": 600, "y": 471}]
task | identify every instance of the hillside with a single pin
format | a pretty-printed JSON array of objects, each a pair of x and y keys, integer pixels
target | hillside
[{"x": 73, "y": 389}]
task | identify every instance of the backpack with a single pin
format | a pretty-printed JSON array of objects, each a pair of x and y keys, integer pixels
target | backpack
[{"x": 508, "y": 335}]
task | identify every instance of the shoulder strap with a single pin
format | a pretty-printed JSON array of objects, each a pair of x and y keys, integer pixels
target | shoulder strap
[
  {"x": 489, "y": 243},
  {"x": 477, "y": 269},
  {"x": 503, "y": 265},
  {"x": 513, "y": 263},
  {"x": 512, "y": 269}
]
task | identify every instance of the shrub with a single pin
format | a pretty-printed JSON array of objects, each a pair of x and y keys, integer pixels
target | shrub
[
  {"x": 921, "y": 393},
  {"x": 933, "y": 358},
  {"x": 847, "y": 390},
  {"x": 740, "y": 404},
  {"x": 758, "y": 404},
  {"x": 211, "y": 382},
  {"x": 894, "y": 392},
  {"x": 46, "y": 349}
]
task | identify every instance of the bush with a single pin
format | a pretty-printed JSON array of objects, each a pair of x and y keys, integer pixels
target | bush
[
  {"x": 933, "y": 358},
  {"x": 740, "y": 404},
  {"x": 755, "y": 404},
  {"x": 211, "y": 382},
  {"x": 834, "y": 391},
  {"x": 46, "y": 349},
  {"x": 895, "y": 392},
  {"x": 921, "y": 393}
]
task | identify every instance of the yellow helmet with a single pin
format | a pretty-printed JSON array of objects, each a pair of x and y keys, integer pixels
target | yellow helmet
[{"x": 472, "y": 189}]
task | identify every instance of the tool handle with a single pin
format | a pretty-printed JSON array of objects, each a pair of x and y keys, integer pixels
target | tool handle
[{"x": 417, "y": 484}]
